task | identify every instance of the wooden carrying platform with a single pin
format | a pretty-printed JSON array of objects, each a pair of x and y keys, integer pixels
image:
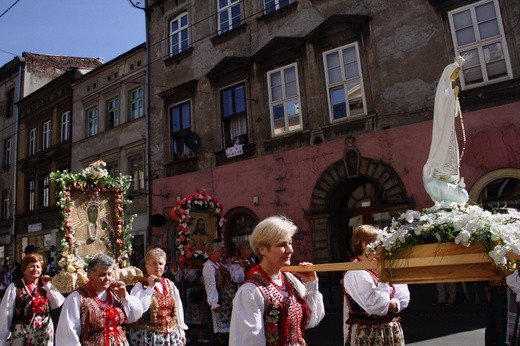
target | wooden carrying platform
[{"x": 430, "y": 263}]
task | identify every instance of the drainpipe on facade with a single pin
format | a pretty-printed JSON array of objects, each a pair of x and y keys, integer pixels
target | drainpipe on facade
[
  {"x": 148, "y": 120},
  {"x": 15, "y": 153}
]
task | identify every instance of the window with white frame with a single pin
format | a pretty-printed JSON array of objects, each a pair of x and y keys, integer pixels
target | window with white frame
[
  {"x": 284, "y": 100},
  {"x": 136, "y": 103},
  {"x": 233, "y": 109},
  {"x": 45, "y": 189},
  {"x": 179, "y": 35},
  {"x": 274, "y": 5},
  {"x": 6, "y": 204},
  {"x": 46, "y": 135},
  {"x": 345, "y": 90},
  {"x": 92, "y": 122},
  {"x": 228, "y": 15},
  {"x": 31, "y": 194},
  {"x": 7, "y": 151},
  {"x": 113, "y": 113},
  {"x": 478, "y": 36},
  {"x": 32, "y": 141},
  {"x": 137, "y": 172},
  {"x": 65, "y": 126},
  {"x": 180, "y": 120}
]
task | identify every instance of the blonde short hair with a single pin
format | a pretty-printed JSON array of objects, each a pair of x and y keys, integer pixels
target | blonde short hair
[
  {"x": 154, "y": 254},
  {"x": 363, "y": 233},
  {"x": 270, "y": 231}
]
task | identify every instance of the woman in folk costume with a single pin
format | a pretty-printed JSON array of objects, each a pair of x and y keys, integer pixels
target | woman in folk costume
[
  {"x": 163, "y": 319},
  {"x": 24, "y": 310},
  {"x": 272, "y": 307},
  {"x": 94, "y": 315},
  {"x": 243, "y": 257},
  {"x": 373, "y": 306},
  {"x": 220, "y": 285}
]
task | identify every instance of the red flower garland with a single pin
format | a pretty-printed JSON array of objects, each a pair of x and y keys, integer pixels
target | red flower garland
[{"x": 181, "y": 213}]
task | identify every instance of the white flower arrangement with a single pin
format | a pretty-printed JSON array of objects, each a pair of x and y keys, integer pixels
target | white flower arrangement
[{"x": 498, "y": 230}]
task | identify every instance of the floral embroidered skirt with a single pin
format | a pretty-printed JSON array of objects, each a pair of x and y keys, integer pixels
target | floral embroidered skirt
[
  {"x": 41, "y": 333},
  {"x": 195, "y": 309},
  {"x": 143, "y": 337},
  {"x": 387, "y": 334}
]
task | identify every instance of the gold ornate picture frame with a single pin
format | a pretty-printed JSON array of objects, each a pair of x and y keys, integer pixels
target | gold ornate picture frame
[{"x": 93, "y": 218}]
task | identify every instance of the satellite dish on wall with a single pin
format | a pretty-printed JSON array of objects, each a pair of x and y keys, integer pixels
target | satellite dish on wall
[{"x": 192, "y": 141}]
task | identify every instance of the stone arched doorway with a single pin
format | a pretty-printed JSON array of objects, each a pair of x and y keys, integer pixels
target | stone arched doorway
[
  {"x": 240, "y": 222},
  {"x": 352, "y": 191}
]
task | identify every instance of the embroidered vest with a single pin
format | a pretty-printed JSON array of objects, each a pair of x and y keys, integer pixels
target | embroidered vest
[
  {"x": 162, "y": 315},
  {"x": 23, "y": 307},
  {"x": 226, "y": 291},
  {"x": 356, "y": 314},
  {"x": 94, "y": 322},
  {"x": 285, "y": 318}
]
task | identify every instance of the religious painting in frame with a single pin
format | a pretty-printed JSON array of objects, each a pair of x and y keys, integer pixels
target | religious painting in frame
[
  {"x": 203, "y": 229},
  {"x": 92, "y": 219},
  {"x": 93, "y": 222},
  {"x": 200, "y": 220}
]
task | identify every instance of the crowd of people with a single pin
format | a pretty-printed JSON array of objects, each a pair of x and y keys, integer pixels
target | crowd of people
[{"x": 246, "y": 298}]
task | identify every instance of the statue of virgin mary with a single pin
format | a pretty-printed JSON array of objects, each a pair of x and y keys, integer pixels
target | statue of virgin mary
[{"x": 441, "y": 175}]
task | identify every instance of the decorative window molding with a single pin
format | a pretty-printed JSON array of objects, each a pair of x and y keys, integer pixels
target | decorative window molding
[
  {"x": 92, "y": 122},
  {"x": 30, "y": 194},
  {"x": 46, "y": 135},
  {"x": 32, "y": 141},
  {"x": 234, "y": 115},
  {"x": 45, "y": 183},
  {"x": 136, "y": 103},
  {"x": 65, "y": 126},
  {"x": 136, "y": 169},
  {"x": 7, "y": 151},
  {"x": 271, "y": 6},
  {"x": 180, "y": 125},
  {"x": 229, "y": 15},
  {"x": 112, "y": 113},
  {"x": 179, "y": 34},
  {"x": 343, "y": 76},
  {"x": 479, "y": 37},
  {"x": 284, "y": 100},
  {"x": 6, "y": 204}
]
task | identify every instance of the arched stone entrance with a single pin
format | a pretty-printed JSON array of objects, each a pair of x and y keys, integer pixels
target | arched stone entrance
[
  {"x": 240, "y": 222},
  {"x": 352, "y": 191}
]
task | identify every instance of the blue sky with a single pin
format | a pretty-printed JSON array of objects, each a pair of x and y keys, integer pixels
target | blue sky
[{"x": 85, "y": 28}]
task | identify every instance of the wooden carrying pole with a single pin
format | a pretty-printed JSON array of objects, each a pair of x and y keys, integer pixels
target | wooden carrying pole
[
  {"x": 333, "y": 267},
  {"x": 424, "y": 264},
  {"x": 391, "y": 264}
]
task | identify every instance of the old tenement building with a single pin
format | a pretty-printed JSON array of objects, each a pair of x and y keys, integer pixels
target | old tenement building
[{"x": 322, "y": 110}]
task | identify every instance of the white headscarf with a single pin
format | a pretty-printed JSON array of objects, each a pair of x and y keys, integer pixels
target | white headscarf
[{"x": 443, "y": 159}]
